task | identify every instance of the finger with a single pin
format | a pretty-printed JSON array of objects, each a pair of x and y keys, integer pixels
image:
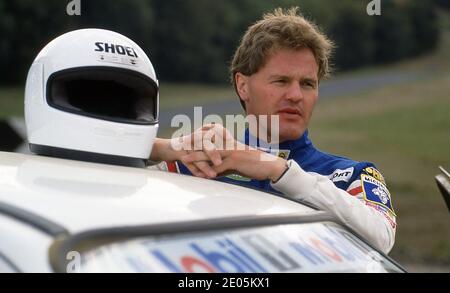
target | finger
[
  {"x": 195, "y": 157},
  {"x": 177, "y": 143},
  {"x": 206, "y": 169},
  {"x": 225, "y": 138},
  {"x": 198, "y": 139},
  {"x": 186, "y": 142},
  {"x": 214, "y": 156},
  {"x": 201, "y": 161},
  {"x": 193, "y": 141},
  {"x": 209, "y": 148},
  {"x": 226, "y": 166},
  {"x": 195, "y": 171},
  {"x": 207, "y": 126},
  {"x": 208, "y": 140}
]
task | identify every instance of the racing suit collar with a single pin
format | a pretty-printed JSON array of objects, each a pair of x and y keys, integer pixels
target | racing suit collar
[{"x": 301, "y": 143}]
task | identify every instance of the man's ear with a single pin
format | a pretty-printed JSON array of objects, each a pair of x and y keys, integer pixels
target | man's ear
[{"x": 242, "y": 86}]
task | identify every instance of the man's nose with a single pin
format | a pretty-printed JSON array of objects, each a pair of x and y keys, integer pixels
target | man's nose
[{"x": 295, "y": 92}]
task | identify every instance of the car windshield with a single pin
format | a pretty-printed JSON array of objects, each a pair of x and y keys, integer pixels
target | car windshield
[{"x": 311, "y": 247}]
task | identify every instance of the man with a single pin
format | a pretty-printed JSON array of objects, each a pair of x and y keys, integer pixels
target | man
[{"x": 276, "y": 71}]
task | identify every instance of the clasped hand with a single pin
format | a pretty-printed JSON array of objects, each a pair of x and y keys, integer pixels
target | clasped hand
[{"x": 212, "y": 151}]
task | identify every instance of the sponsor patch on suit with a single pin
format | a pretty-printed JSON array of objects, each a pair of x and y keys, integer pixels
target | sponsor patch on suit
[
  {"x": 342, "y": 175},
  {"x": 376, "y": 192}
]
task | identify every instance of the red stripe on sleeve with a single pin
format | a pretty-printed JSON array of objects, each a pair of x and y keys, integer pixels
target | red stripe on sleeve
[
  {"x": 172, "y": 167},
  {"x": 355, "y": 191}
]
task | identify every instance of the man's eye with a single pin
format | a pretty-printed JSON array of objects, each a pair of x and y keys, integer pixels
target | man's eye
[
  {"x": 280, "y": 81},
  {"x": 309, "y": 85}
]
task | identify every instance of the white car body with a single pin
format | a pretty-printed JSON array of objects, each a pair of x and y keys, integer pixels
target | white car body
[{"x": 46, "y": 203}]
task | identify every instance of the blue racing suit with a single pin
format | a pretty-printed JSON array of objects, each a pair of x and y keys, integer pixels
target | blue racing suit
[{"x": 358, "y": 194}]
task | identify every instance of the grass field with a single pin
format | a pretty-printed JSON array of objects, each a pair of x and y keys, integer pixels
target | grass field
[
  {"x": 404, "y": 129},
  {"x": 11, "y": 102}
]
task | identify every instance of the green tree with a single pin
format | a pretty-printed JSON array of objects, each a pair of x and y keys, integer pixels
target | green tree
[
  {"x": 132, "y": 18},
  {"x": 26, "y": 26},
  {"x": 393, "y": 32},
  {"x": 353, "y": 32},
  {"x": 425, "y": 26},
  {"x": 192, "y": 38},
  {"x": 443, "y": 3}
]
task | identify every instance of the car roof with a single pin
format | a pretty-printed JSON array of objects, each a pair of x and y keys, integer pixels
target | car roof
[{"x": 82, "y": 196}]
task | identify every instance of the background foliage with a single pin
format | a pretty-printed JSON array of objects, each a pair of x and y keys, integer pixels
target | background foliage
[{"x": 193, "y": 40}]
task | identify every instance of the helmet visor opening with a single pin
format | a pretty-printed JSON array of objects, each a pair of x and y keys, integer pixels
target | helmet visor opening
[{"x": 112, "y": 94}]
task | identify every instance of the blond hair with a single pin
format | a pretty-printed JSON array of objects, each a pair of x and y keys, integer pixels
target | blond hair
[{"x": 280, "y": 30}]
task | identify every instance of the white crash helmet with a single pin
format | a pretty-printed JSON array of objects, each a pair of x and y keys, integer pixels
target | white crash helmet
[{"x": 92, "y": 94}]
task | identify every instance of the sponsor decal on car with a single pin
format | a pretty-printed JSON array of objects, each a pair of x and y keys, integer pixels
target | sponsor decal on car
[{"x": 286, "y": 248}]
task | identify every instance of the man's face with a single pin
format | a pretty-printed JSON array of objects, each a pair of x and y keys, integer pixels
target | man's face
[{"x": 286, "y": 86}]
